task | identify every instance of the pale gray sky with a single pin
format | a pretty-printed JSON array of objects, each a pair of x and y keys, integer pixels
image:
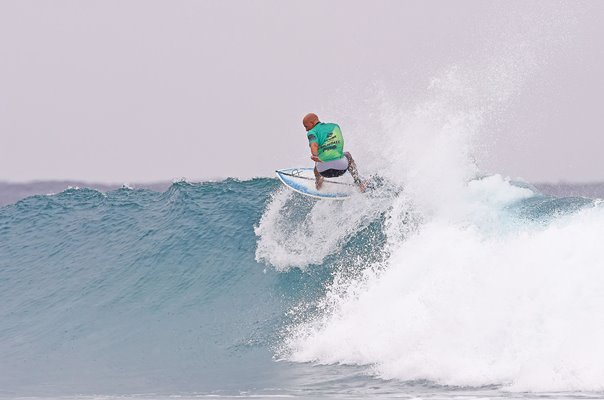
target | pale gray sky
[{"x": 131, "y": 91}]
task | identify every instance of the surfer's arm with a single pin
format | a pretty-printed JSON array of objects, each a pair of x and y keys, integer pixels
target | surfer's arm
[{"x": 314, "y": 151}]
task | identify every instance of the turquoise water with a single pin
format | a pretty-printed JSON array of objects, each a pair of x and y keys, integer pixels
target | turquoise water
[{"x": 239, "y": 288}]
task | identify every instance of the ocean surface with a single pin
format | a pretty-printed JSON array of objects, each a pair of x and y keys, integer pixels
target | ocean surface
[{"x": 245, "y": 289}]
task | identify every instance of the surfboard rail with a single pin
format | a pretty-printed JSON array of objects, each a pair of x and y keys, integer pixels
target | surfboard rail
[{"x": 302, "y": 180}]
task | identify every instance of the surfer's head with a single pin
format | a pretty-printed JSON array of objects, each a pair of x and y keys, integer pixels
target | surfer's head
[{"x": 309, "y": 121}]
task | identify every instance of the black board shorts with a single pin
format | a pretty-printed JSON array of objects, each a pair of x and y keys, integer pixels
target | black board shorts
[{"x": 332, "y": 173}]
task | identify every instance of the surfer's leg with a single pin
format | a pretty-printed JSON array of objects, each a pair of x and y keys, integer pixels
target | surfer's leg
[
  {"x": 352, "y": 168},
  {"x": 319, "y": 181}
]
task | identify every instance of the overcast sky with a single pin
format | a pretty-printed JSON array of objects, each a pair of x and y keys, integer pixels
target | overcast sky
[{"x": 133, "y": 91}]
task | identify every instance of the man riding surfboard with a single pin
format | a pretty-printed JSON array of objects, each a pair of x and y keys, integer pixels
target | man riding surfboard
[{"x": 327, "y": 151}]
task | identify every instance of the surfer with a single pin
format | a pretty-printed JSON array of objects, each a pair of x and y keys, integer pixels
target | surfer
[{"x": 327, "y": 151}]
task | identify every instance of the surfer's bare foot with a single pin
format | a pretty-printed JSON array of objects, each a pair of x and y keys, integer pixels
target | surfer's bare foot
[
  {"x": 319, "y": 183},
  {"x": 362, "y": 187}
]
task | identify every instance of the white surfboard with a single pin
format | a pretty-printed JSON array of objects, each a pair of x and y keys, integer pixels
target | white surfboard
[{"x": 302, "y": 180}]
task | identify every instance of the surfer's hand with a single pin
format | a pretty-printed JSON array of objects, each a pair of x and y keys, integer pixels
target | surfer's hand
[{"x": 315, "y": 158}]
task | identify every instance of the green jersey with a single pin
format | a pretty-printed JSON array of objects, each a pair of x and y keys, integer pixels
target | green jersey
[{"x": 330, "y": 140}]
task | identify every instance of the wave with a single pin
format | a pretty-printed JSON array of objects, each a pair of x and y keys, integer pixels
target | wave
[
  {"x": 191, "y": 289},
  {"x": 135, "y": 290}
]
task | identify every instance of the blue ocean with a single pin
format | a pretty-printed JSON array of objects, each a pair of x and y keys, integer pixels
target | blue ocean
[{"x": 246, "y": 289}]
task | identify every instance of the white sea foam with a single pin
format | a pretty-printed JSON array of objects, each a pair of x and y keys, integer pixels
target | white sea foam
[
  {"x": 459, "y": 308},
  {"x": 296, "y": 232}
]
